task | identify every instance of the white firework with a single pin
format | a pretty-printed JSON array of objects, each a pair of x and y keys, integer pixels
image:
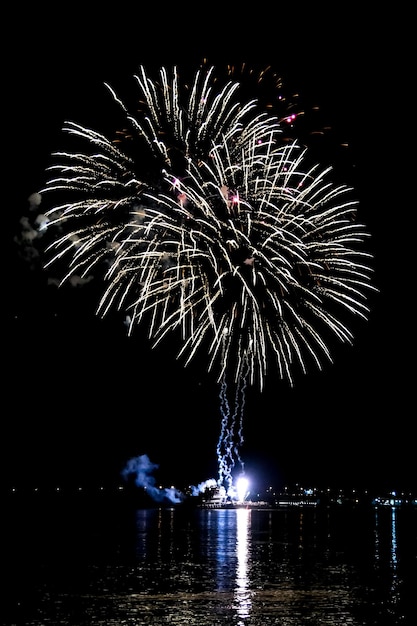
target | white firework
[{"x": 203, "y": 222}]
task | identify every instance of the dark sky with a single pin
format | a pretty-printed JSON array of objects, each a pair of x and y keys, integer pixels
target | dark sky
[{"x": 80, "y": 398}]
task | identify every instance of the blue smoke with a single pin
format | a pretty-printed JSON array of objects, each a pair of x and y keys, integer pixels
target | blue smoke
[{"x": 142, "y": 467}]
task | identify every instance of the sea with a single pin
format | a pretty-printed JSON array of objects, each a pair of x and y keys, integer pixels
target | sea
[{"x": 110, "y": 563}]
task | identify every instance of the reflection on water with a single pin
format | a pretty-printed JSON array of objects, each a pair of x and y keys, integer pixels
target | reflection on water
[
  {"x": 238, "y": 567},
  {"x": 386, "y": 555},
  {"x": 394, "y": 538},
  {"x": 395, "y": 584},
  {"x": 243, "y": 600},
  {"x": 228, "y": 530}
]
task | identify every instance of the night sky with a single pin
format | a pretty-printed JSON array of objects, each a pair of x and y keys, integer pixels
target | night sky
[{"x": 79, "y": 397}]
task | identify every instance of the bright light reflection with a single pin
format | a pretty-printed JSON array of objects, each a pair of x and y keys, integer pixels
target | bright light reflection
[
  {"x": 243, "y": 601},
  {"x": 394, "y": 537}
]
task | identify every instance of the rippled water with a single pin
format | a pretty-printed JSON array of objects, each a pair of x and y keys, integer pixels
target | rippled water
[{"x": 113, "y": 565}]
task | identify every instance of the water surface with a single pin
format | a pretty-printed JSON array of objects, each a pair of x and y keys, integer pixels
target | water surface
[{"x": 107, "y": 565}]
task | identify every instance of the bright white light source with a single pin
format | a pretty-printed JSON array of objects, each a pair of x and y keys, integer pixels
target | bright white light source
[{"x": 242, "y": 484}]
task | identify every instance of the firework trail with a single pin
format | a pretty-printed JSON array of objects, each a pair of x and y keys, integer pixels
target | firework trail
[{"x": 205, "y": 222}]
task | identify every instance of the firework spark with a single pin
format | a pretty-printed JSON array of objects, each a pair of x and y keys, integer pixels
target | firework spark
[{"x": 203, "y": 221}]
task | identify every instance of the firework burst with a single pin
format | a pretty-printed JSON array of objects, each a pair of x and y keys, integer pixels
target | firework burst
[{"x": 202, "y": 221}]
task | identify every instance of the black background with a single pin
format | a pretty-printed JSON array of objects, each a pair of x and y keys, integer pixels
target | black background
[{"x": 80, "y": 398}]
